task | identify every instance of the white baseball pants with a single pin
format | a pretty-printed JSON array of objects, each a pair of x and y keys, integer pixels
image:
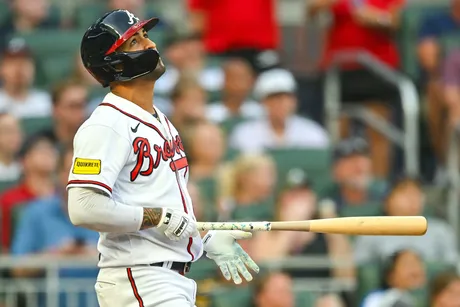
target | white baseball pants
[{"x": 144, "y": 286}]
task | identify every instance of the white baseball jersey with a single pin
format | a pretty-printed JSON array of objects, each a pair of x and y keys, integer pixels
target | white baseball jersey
[{"x": 138, "y": 160}]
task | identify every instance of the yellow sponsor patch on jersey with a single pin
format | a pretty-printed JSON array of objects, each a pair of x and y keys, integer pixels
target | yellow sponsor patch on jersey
[{"x": 86, "y": 166}]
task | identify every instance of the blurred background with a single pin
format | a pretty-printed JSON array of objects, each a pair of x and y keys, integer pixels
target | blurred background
[{"x": 288, "y": 110}]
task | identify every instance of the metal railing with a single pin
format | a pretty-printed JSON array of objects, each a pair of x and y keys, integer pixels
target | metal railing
[
  {"x": 407, "y": 139},
  {"x": 55, "y": 291},
  {"x": 453, "y": 201}
]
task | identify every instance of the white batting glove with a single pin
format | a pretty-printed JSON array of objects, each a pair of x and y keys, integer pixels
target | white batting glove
[
  {"x": 221, "y": 246},
  {"x": 177, "y": 225}
]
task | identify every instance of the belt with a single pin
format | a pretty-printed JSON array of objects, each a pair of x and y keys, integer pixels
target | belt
[{"x": 180, "y": 267}]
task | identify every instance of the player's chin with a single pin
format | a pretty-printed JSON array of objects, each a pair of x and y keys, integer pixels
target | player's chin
[{"x": 157, "y": 72}]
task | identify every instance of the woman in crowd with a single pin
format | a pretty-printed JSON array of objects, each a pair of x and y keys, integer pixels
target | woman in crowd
[{"x": 403, "y": 272}]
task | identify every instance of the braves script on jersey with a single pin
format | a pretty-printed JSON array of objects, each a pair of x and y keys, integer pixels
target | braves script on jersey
[{"x": 140, "y": 161}]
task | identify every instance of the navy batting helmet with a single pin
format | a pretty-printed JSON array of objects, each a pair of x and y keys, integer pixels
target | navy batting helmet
[{"x": 100, "y": 43}]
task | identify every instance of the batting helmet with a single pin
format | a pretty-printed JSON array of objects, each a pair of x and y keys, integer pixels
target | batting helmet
[{"x": 100, "y": 43}]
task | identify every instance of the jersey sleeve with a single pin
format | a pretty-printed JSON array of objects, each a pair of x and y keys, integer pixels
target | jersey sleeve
[{"x": 100, "y": 153}]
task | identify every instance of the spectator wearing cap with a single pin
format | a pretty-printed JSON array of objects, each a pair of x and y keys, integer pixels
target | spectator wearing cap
[
  {"x": 403, "y": 272},
  {"x": 445, "y": 290},
  {"x": 70, "y": 99},
  {"x": 10, "y": 143},
  {"x": 274, "y": 290},
  {"x": 184, "y": 54},
  {"x": 298, "y": 202},
  {"x": 38, "y": 160},
  {"x": 281, "y": 128},
  {"x": 17, "y": 72},
  {"x": 238, "y": 28},
  {"x": 354, "y": 181},
  {"x": 27, "y": 16},
  {"x": 406, "y": 198},
  {"x": 235, "y": 104}
]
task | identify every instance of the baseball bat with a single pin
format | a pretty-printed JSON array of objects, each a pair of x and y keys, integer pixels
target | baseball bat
[{"x": 369, "y": 225}]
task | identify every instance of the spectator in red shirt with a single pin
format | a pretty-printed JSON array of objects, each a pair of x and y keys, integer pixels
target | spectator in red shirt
[
  {"x": 39, "y": 159},
  {"x": 238, "y": 28},
  {"x": 365, "y": 25}
]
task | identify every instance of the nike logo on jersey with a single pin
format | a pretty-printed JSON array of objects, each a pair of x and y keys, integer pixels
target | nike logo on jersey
[{"x": 134, "y": 130}]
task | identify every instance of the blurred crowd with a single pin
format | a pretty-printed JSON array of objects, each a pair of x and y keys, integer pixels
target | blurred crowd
[{"x": 256, "y": 143}]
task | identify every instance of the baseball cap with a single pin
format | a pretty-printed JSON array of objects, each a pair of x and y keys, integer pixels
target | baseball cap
[
  {"x": 351, "y": 146},
  {"x": 17, "y": 47},
  {"x": 274, "y": 81},
  {"x": 298, "y": 178}
]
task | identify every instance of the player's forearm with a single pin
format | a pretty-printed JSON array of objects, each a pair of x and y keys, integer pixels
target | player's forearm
[
  {"x": 90, "y": 209},
  {"x": 151, "y": 217}
]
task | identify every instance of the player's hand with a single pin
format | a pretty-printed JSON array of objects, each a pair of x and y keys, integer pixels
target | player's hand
[
  {"x": 177, "y": 225},
  {"x": 221, "y": 246}
]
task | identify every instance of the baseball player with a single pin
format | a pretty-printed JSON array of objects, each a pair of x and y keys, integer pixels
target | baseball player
[{"x": 129, "y": 179}]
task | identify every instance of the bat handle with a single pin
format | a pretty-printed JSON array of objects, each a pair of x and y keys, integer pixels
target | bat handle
[{"x": 250, "y": 226}]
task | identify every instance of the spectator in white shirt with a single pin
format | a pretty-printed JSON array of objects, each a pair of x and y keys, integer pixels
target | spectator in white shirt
[
  {"x": 238, "y": 83},
  {"x": 281, "y": 128},
  {"x": 17, "y": 72},
  {"x": 10, "y": 144}
]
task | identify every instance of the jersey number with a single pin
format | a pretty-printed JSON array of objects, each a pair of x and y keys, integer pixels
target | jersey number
[{"x": 142, "y": 150}]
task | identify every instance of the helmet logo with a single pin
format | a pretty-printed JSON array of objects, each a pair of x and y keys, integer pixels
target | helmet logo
[{"x": 132, "y": 18}]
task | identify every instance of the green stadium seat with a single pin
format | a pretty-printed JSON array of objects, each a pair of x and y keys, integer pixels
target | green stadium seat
[
  {"x": 88, "y": 13},
  {"x": 305, "y": 298},
  {"x": 231, "y": 154},
  {"x": 208, "y": 190},
  {"x": 369, "y": 279},
  {"x": 371, "y": 209},
  {"x": 6, "y": 184},
  {"x": 316, "y": 162},
  {"x": 203, "y": 269},
  {"x": 229, "y": 124},
  {"x": 258, "y": 212},
  {"x": 4, "y": 11},
  {"x": 450, "y": 42},
  {"x": 32, "y": 125},
  {"x": 240, "y": 296}
]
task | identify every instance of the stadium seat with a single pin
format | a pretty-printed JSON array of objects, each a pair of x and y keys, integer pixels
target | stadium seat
[
  {"x": 208, "y": 192},
  {"x": 258, "y": 212},
  {"x": 230, "y": 297},
  {"x": 87, "y": 13},
  {"x": 316, "y": 162},
  {"x": 369, "y": 279},
  {"x": 371, "y": 209},
  {"x": 203, "y": 269},
  {"x": 6, "y": 184},
  {"x": 32, "y": 125},
  {"x": 305, "y": 298},
  {"x": 229, "y": 124}
]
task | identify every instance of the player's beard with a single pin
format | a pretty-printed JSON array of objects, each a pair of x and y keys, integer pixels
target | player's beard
[{"x": 158, "y": 71}]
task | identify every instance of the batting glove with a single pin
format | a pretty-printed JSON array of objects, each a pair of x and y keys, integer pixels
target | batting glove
[
  {"x": 221, "y": 246},
  {"x": 177, "y": 225}
]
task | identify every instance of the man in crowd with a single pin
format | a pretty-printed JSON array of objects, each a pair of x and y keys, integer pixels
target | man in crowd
[
  {"x": 10, "y": 143},
  {"x": 44, "y": 230},
  {"x": 38, "y": 160},
  {"x": 17, "y": 72},
  {"x": 27, "y": 16},
  {"x": 274, "y": 290},
  {"x": 281, "y": 128},
  {"x": 406, "y": 198},
  {"x": 238, "y": 83},
  {"x": 69, "y": 111},
  {"x": 188, "y": 100},
  {"x": 355, "y": 183}
]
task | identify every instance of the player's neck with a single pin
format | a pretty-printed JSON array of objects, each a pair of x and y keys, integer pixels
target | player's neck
[{"x": 140, "y": 93}]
